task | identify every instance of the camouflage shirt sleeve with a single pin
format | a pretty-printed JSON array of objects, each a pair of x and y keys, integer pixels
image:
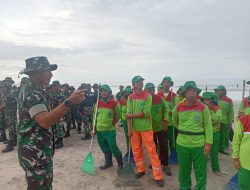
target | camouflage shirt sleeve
[{"x": 35, "y": 103}]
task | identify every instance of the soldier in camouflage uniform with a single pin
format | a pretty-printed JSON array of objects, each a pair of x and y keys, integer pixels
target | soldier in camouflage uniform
[
  {"x": 57, "y": 97},
  {"x": 35, "y": 147},
  {"x": 86, "y": 110},
  {"x": 67, "y": 117},
  {"x": 10, "y": 101},
  {"x": 3, "y": 91},
  {"x": 73, "y": 110}
]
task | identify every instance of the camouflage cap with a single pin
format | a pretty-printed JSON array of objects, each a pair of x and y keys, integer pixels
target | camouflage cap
[
  {"x": 56, "y": 83},
  {"x": 65, "y": 84},
  {"x": 25, "y": 79},
  {"x": 9, "y": 79},
  {"x": 72, "y": 88},
  {"x": 39, "y": 63}
]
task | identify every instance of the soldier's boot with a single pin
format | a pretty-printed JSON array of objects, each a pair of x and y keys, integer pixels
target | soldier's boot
[
  {"x": 8, "y": 148},
  {"x": 79, "y": 129},
  {"x": 119, "y": 162},
  {"x": 67, "y": 134},
  {"x": 108, "y": 161},
  {"x": 86, "y": 137}
]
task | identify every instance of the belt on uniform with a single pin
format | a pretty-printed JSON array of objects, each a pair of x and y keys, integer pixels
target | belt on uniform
[{"x": 190, "y": 133}]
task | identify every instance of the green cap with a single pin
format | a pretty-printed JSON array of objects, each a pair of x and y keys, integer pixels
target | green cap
[
  {"x": 159, "y": 86},
  {"x": 149, "y": 85},
  {"x": 191, "y": 84},
  {"x": 180, "y": 90},
  {"x": 207, "y": 95},
  {"x": 56, "y": 83},
  {"x": 128, "y": 89},
  {"x": 169, "y": 79},
  {"x": 136, "y": 79},
  {"x": 221, "y": 88},
  {"x": 105, "y": 87}
]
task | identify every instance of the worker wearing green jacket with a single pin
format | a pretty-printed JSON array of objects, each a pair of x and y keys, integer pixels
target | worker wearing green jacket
[
  {"x": 211, "y": 100},
  {"x": 172, "y": 100},
  {"x": 195, "y": 137},
  {"x": 226, "y": 107},
  {"x": 123, "y": 109},
  {"x": 108, "y": 114},
  {"x": 244, "y": 108},
  {"x": 241, "y": 151},
  {"x": 160, "y": 117}
]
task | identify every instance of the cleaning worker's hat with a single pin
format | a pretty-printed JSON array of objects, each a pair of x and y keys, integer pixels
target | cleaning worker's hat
[
  {"x": 149, "y": 85},
  {"x": 191, "y": 84},
  {"x": 136, "y": 79},
  {"x": 169, "y": 79}
]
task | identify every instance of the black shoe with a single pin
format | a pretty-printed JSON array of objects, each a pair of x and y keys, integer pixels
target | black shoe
[
  {"x": 5, "y": 142},
  {"x": 86, "y": 137},
  {"x": 108, "y": 161},
  {"x": 149, "y": 166},
  {"x": 139, "y": 174},
  {"x": 74, "y": 127},
  {"x": 67, "y": 134},
  {"x": 8, "y": 149},
  {"x": 167, "y": 170},
  {"x": 224, "y": 152},
  {"x": 159, "y": 183},
  {"x": 79, "y": 130}
]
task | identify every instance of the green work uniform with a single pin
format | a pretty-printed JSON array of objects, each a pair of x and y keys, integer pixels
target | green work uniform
[
  {"x": 241, "y": 151},
  {"x": 226, "y": 107},
  {"x": 108, "y": 114},
  {"x": 215, "y": 113},
  {"x": 195, "y": 129}
]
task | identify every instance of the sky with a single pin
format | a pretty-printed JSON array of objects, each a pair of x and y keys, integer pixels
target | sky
[{"x": 110, "y": 41}]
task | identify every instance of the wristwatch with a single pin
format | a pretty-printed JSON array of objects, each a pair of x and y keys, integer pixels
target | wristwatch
[{"x": 67, "y": 103}]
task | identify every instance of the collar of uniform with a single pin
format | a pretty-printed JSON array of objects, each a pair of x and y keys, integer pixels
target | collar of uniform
[{"x": 195, "y": 103}]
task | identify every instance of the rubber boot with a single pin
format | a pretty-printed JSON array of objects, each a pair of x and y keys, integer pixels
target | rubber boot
[
  {"x": 119, "y": 162},
  {"x": 108, "y": 161}
]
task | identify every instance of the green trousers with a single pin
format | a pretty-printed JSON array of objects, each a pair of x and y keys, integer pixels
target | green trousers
[
  {"x": 171, "y": 135},
  {"x": 188, "y": 157},
  {"x": 125, "y": 127},
  {"x": 224, "y": 137},
  {"x": 215, "y": 152},
  {"x": 107, "y": 142},
  {"x": 244, "y": 179}
]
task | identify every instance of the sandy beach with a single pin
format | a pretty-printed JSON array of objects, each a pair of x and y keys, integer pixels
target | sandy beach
[{"x": 67, "y": 174}]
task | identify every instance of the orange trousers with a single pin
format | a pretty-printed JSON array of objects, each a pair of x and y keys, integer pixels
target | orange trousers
[{"x": 146, "y": 137}]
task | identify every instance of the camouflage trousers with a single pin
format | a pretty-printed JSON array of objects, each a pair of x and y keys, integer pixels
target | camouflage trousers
[
  {"x": 10, "y": 121},
  {"x": 40, "y": 177},
  {"x": 58, "y": 130},
  {"x": 87, "y": 117},
  {"x": 68, "y": 121},
  {"x": 2, "y": 125}
]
